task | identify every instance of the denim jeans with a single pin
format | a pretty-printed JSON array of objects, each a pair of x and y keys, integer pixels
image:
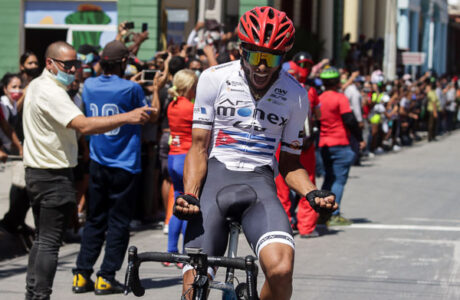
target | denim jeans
[
  {"x": 112, "y": 195},
  {"x": 53, "y": 200},
  {"x": 337, "y": 162}
]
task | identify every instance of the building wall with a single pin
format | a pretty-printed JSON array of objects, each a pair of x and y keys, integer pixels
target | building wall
[
  {"x": 142, "y": 11},
  {"x": 246, "y": 5},
  {"x": 10, "y": 22},
  {"x": 191, "y": 6}
]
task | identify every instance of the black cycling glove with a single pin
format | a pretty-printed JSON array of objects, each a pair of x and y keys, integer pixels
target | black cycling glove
[
  {"x": 320, "y": 194},
  {"x": 192, "y": 200}
]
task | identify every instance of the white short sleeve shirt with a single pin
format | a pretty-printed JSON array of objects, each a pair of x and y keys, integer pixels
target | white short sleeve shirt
[{"x": 48, "y": 109}]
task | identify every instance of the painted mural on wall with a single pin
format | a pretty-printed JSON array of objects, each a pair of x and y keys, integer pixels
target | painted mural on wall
[{"x": 54, "y": 13}]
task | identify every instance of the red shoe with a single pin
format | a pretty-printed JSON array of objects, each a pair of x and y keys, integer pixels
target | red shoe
[{"x": 166, "y": 264}]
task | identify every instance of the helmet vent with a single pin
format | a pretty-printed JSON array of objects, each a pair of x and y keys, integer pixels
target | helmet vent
[
  {"x": 243, "y": 30},
  {"x": 255, "y": 35},
  {"x": 255, "y": 22},
  {"x": 271, "y": 14},
  {"x": 284, "y": 28},
  {"x": 268, "y": 33}
]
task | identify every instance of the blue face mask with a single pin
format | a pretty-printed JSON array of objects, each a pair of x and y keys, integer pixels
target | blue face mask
[
  {"x": 63, "y": 77},
  {"x": 197, "y": 73}
]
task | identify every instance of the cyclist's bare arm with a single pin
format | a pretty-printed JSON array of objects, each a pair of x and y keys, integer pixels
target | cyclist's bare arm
[
  {"x": 296, "y": 178},
  {"x": 195, "y": 167}
]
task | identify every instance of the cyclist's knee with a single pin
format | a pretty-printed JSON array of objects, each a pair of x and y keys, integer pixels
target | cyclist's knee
[{"x": 277, "y": 261}]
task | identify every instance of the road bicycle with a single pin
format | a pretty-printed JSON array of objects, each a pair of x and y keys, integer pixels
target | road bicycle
[{"x": 200, "y": 261}]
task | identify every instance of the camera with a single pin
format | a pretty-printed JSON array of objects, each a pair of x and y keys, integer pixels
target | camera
[
  {"x": 129, "y": 25},
  {"x": 148, "y": 75}
]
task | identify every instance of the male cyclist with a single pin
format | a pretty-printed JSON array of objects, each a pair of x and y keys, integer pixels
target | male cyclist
[{"x": 242, "y": 111}]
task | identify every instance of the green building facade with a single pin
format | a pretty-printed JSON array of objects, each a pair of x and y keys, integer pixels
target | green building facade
[{"x": 19, "y": 33}]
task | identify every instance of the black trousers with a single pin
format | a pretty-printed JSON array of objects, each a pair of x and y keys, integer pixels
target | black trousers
[
  {"x": 432, "y": 126},
  {"x": 111, "y": 201},
  {"x": 53, "y": 200}
]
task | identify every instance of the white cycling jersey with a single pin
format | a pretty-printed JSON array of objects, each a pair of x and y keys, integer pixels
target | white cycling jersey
[{"x": 246, "y": 132}]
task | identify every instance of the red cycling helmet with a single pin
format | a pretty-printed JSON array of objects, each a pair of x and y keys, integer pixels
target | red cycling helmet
[{"x": 268, "y": 28}]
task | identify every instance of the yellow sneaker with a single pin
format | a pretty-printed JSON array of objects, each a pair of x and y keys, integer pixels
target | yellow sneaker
[
  {"x": 105, "y": 287},
  {"x": 81, "y": 284}
]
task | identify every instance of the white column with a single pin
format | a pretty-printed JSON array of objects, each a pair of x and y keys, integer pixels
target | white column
[
  {"x": 326, "y": 26},
  {"x": 201, "y": 10},
  {"x": 389, "y": 53},
  {"x": 351, "y": 19},
  {"x": 403, "y": 29},
  {"x": 430, "y": 45}
]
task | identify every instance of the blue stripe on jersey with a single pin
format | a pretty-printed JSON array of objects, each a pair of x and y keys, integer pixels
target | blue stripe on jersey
[
  {"x": 252, "y": 137},
  {"x": 247, "y": 151},
  {"x": 252, "y": 144}
]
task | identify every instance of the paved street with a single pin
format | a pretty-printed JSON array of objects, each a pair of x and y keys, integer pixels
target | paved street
[{"x": 404, "y": 244}]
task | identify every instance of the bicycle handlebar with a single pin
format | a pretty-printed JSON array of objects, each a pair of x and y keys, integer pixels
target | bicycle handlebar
[{"x": 132, "y": 280}]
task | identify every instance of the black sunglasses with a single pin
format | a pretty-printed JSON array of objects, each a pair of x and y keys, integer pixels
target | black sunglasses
[{"x": 68, "y": 64}]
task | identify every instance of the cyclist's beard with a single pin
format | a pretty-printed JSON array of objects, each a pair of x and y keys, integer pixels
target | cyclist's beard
[{"x": 256, "y": 92}]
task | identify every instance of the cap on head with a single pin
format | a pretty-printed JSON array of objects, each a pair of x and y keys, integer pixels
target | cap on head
[
  {"x": 329, "y": 73},
  {"x": 114, "y": 51},
  {"x": 267, "y": 27}
]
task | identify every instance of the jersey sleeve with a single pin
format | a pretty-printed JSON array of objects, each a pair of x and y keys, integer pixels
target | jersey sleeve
[
  {"x": 206, "y": 94},
  {"x": 293, "y": 133}
]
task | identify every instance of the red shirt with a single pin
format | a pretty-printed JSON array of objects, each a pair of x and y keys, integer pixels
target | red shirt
[
  {"x": 180, "y": 117},
  {"x": 333, "y": 131}
]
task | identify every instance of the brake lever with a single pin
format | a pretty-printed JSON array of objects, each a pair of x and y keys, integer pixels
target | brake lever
[{"x": 132, "y": 281}]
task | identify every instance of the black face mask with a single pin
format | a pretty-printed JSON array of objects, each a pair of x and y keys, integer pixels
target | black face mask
[
  {"x": 72, "y": 92},
  {"x": 32, "y": 72}
]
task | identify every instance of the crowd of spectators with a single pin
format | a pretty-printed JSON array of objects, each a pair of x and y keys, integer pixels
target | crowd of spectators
[{"x": 391, "y": 114}]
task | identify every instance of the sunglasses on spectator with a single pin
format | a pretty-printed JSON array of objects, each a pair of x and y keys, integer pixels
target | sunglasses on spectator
[
  {"x": 68, "y": 64},
  {"x": 254, "y": 58}
]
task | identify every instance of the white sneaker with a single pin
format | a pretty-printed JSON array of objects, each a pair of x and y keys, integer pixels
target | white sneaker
[
  {"x": 166, "y": 229},
  {"x": 396, "y": 148}
]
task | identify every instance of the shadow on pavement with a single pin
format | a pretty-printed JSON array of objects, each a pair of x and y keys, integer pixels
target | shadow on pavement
[
  {"x": 11, "y": 271},
  {"x": 360, "y": 220},
  {"x": 155, "y": 283},
  {"x": 324, "y": 230}
]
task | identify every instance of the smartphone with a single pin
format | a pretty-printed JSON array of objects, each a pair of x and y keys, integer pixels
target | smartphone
[
  {"x": 145, "y": 27},
  {"x": 148, "y": 75},
  {"x": 129, "y": 25}
]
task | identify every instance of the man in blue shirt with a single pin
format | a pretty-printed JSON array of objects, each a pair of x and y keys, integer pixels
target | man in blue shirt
[{"x": 114, "y": 173}]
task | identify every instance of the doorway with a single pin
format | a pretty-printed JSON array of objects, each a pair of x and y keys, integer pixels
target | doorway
[{"x": 37, "y": 40}]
